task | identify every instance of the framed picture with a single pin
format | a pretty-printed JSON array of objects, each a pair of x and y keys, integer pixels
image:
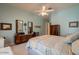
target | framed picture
[
  {"x": 73, "y": 24},
  {"x": 5, "y": 26},
  {"x": 37, "y": 26}
]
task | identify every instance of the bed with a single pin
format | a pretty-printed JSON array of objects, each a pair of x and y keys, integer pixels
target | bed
[{"x": 48, "y": 45}]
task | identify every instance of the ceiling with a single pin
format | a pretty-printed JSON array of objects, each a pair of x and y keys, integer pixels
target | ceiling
[{"x": 37, "y": 6}]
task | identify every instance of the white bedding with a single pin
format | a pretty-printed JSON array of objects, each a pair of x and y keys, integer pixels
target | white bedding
[{"x": 50, "y": 45}]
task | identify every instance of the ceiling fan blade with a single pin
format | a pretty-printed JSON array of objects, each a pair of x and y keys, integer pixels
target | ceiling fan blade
[{"x": 49, "y": 10}]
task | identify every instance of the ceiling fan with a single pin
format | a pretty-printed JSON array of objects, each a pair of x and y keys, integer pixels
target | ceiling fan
[{"x": 44, "y": 11}]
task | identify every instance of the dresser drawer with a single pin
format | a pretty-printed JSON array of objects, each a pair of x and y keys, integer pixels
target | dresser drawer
[{"x": 22, "y": 38}]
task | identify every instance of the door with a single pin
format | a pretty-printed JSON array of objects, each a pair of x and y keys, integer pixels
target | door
[{"x": 54, "y": 30}]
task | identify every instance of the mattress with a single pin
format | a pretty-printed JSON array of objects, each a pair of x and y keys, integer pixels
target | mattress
[{"x": 49, "y": 45}]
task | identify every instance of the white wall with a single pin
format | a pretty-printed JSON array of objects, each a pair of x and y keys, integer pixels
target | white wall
[
  {"x": 64, "y": 17},
  {"x": 9, "y": 14}
]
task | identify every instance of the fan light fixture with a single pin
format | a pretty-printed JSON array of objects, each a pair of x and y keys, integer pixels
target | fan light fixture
[{"x": 44, "y": 11}]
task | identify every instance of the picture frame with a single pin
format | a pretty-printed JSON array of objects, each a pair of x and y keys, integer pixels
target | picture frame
[
  {"x": 73, "y": 24},
  {"x": 5, "y": 26},
  {"x": 37, "y": 26}
]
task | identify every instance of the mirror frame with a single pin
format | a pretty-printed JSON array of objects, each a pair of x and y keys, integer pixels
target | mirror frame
[
  {"x": 30, "y": 27},
  {"x": 18, "y": 26}
]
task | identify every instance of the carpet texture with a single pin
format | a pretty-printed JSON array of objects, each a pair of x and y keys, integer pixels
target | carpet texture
[{"x": 19, "y": 49}]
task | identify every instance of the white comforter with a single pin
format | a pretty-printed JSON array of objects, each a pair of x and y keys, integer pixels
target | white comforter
[{"x": 49, "y": 45}]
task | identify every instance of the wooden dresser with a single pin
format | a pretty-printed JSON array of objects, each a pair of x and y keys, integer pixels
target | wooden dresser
[
  {"x": 55, "y": 30},
  {"x": 21, "y": 38}
]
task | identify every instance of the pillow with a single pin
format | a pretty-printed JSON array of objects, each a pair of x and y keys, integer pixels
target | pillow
[
  {"x": 75, "y": 47},
  {"x": 71, "y": 38}
]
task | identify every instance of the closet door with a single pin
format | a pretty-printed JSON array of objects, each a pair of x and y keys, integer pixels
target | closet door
[{"x": 54, "y": 30}]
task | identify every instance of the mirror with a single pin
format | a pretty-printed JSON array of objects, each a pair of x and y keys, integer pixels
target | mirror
[
  {"x": 19, "y": 26},
  {"x": 30, "y": 27}
]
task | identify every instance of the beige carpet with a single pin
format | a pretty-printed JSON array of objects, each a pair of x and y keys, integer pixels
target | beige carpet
[{"x": 19, "y": 49}]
